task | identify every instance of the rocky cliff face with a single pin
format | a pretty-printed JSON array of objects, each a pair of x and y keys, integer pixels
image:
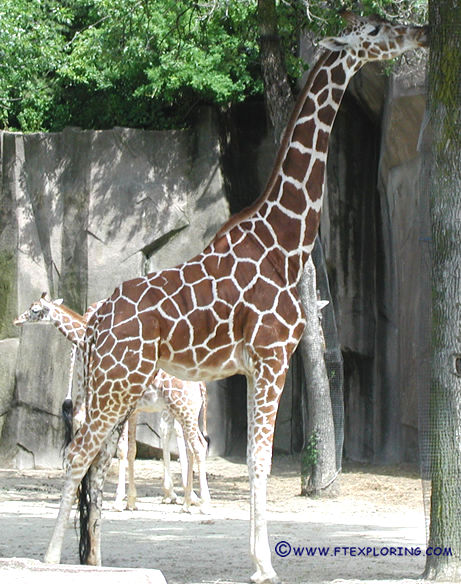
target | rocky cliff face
[
  {"x": 82, "y": 211},
  {"x": 375, "y": 231}
]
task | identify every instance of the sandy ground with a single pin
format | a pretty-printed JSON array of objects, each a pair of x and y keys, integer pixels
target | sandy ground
[{"x": 373, "y": 531}]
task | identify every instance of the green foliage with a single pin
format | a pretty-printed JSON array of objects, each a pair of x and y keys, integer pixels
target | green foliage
[
  {"x": 143, "y": 63},
  {"x": 326, "y": 20},
  {"x": 31, "y": 50},
  {"x": 310, "y": 455}
]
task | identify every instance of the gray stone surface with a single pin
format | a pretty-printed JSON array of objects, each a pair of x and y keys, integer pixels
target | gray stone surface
[
  {"x": 8, "y": 356},
  {"x": 374, "y": 230},
  {"x": 32, "y": 434},
  {"x": 87, "y": 210}
]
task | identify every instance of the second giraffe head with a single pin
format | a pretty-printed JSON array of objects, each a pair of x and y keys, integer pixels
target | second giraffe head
[{"x": 37, "y": 311}]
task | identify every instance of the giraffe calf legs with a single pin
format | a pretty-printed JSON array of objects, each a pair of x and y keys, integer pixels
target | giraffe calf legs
[
  {"x": 131, "y": 456},
  {"x": 122, "y": 452},
  {"x": 166, "y": 426},
  {"x": 196, "y": 448}
]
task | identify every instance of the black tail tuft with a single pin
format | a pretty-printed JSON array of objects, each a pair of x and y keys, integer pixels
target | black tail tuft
[
  {"x": 84, "y": 502},
  {"x": 208, "y": 441},
  {"x": 67, "y": 415}
]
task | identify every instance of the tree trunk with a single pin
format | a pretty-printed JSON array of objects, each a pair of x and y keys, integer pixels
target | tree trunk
[
  {"x": 318, "y": 466},
  {"x": 277, "y": 90},
  {"x": 444, "y": 114},
  {"x": 333, "y": 356}
]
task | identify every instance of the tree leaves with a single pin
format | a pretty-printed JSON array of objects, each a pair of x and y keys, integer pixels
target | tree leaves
[{"x": 143, "y": 63}]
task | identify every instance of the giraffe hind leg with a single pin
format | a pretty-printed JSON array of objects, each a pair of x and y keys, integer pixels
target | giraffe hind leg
[
  {"x": 78, "y": 462},
  {"x": 184, "y": 461},
  {"x": 90, "y": 500},
  {"x": 83, "y": 449},
  {"x": 196, "y": 450},
  {"x": 200, "y": 447},
  {"x": 190, "y": 479}
]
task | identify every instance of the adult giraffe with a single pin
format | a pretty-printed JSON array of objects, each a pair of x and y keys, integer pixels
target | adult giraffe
[{"x": 235, "y": 307}]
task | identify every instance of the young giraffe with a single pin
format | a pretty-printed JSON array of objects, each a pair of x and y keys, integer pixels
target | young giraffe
[
  {"x": 127, "y": 455},
  {"x": 234, "y": 308},
  {"x": 180, "y": 401}
]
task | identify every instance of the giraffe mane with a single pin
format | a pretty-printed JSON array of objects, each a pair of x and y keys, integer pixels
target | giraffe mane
[
  {"x": 73, "y": 314},
  {"x": 69, "y": 311}
]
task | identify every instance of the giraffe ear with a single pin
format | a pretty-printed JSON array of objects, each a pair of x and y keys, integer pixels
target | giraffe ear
[
  {"x": 44, "y": 298},
  {"x": 58, "y": 301},
  {"x": 322, "y": 303},
  {"x": 333, "y": 43}
]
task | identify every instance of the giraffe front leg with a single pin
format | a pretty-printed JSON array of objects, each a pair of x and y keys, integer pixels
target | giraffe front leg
[
  {"x": 53, "y": 553},
  {"x": 263, "y": 402}
]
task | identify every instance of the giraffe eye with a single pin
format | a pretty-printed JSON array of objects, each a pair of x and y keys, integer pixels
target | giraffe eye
[{"x": 375, "y": 31}]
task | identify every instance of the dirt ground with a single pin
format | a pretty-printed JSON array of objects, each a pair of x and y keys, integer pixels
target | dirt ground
[{"x": 374, "y": 530}]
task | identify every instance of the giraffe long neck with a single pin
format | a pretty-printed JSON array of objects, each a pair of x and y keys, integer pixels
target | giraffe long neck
[
  {"x": 69, "y": 323},
  {"x": 292, "y": 201}
]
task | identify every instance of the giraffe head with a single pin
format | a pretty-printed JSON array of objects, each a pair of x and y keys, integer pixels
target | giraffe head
[
  {"x": 376, "y": 39},
  {"x": 38, "y": 311}
]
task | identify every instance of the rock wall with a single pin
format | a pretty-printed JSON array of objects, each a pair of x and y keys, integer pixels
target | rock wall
[
  {"x": 81, "y": 212},
  {"x": 375, "y": 230}
]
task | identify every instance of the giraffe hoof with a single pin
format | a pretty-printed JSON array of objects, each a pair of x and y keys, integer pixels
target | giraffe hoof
[
  {"x": 186, "y": 508},
  {"x": 118, "y": 506},
  {"x": 194, "y": 499},
  {"x": 269, "y": 578},
  {"x": 131, "y": 504},
  {"x": 170, "y": 500},
  {"x": 205, "y": 508}
]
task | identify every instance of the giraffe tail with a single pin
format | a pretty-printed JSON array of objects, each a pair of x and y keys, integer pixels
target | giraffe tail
[
  {"x": 67, "y": 410},
  {"x": 67, "y": 407},
  {"x": 204, "y": 395},
  {"x": 84, "y": 490},
  {"x": 84, "y": 502}
]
